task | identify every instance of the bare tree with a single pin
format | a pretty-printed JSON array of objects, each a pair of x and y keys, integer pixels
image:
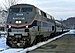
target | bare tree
[
  {"x": 1, "y": 8},
  {"x": 8, "y": 3}
]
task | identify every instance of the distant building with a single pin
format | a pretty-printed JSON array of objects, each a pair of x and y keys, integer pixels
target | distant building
[
  {"x": 70, "y": 22},
  {"x": 3, "y": 17}
]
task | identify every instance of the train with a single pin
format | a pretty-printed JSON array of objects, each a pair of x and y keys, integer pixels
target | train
[{"x": 27, "y": 25}]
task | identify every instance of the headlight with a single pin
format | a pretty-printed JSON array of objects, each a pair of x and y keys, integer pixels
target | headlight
[
  {"x": 26, "y": 26},
  {"x": 9, "y": 26},
  {"x": 17, "y": 22}
]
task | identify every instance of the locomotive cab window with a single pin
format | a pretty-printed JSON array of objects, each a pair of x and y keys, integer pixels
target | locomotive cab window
[
  {"x": 15, "y": 10},
  {"x": 27, "y": 9}
]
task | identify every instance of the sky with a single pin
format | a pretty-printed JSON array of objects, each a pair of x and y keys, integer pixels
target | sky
[{"x": 59, "y": 9}]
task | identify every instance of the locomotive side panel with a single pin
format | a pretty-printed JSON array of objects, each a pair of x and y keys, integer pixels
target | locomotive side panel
[{"x": 46, "y": 23}]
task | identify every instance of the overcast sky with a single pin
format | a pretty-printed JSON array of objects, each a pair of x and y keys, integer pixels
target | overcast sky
[{"x": 60, "y": 9}]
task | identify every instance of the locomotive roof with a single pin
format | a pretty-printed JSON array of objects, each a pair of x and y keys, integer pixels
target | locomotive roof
[
  {"x": 18, "y": 5},
  {"x": 22, "y": 5}
]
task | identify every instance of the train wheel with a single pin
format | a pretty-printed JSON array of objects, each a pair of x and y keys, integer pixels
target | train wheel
[
  {"x": 8, "y": 43},
  {"x": 28, "y": 43},
  {"x": 38, "y": 38},
  {"x": 34, "y": 42},
  {"x": 42, "y": 38},
  {"x": 51, "y": 35}
]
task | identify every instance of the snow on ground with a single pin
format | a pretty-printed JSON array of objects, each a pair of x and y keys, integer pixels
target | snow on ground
[
  {"x": 3, "y": 46},
  {"x": 3, "y": 43},
  {"x": 12, "y": 50},
  {"x": 71, "y": 31}
]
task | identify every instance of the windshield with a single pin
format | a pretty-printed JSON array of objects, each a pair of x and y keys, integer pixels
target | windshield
[
  {"x": 16, "y": 10},
  {"x": 27, "y": 9}
]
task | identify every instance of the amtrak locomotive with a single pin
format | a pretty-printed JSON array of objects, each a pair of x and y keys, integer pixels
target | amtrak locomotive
[{"x": 28, "y": 25}]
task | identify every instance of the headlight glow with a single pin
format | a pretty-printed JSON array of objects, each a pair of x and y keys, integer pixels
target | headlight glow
[
  {"x": 17, "y": 22},
  {"x": 9, "y": 26},
  {"x": 26, "y": 26}
]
